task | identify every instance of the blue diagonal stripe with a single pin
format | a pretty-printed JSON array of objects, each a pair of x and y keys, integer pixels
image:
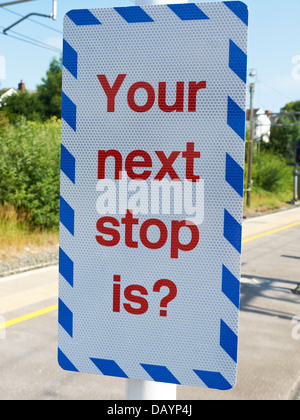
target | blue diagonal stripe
[
  {"x": 160, "y": 374},
  {"x": 234, "y": 175},
  {"x": 240, "y": 9},
  {"x": 65, "y": 318},
  {"x": 65, "y": 363},
  {"x": 66, "y": 267},
  {"x": 229, "y": 341},
  {"x": 70, "y": 58},
  {"x": 236, "y": 118},
  {"x": 109, "y": 368},
  {"x": 213, "y": 380},
  {"x": 68, "y": 163},
  {"x": 189, "y": 11},
  {"x": 231, "y": 286},
  {"x": 134, "y": 14},
  {"x": 238, "y": 61},
  {"x": 69, "y": 111},
  {"x": 83, "y": 17},
  {"x": 232, "y": 231},
  {"x": 67, "y": 216}
]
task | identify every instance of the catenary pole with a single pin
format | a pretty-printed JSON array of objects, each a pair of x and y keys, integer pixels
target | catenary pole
[
  {"x": 54, "y": 13},
  {"x": 250, "y": 146},
  {"x": 146, "y": 390}
]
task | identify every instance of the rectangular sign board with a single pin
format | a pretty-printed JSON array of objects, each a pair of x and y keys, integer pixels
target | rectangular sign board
[{"x": 152, "y": 164}]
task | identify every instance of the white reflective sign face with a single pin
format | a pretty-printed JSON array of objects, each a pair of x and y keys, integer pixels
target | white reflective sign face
[{"x": 152, "y": 158}]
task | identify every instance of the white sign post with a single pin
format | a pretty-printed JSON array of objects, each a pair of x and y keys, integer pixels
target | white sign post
[{"x": 152, "y": 158}]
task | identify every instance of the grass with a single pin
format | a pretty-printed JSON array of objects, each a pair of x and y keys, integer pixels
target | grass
[
  {"x": 16, "y": 238},
  {"x": 264, "y": 201},
  {"x": 272, "y": 186}
]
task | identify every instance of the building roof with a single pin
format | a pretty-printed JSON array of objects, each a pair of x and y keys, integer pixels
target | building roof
[
  {"x": 255, "y": 111},
  {"x": 3, "y": 91},
  {"x": 6, "y": 91}
]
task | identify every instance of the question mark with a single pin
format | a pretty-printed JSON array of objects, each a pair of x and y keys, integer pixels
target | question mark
[{"x": 167, "y": 299}]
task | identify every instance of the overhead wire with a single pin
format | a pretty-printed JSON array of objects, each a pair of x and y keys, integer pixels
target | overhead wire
[
  {"x": 274, "y": 89},
  {"x": 32, "y": 20},
  {"x": 29, "y": 40},
  {"x": 32, "y": 41}
]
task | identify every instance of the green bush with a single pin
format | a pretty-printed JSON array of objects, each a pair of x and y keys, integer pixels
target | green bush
[
  {"x": 25, "y": 104},
  {"x": 271, "y": 173},
  {"x": 30, "y": 170}
]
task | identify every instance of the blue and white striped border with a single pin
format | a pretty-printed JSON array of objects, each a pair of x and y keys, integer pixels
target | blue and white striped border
[
  {"x": 234, "y": 177},
  {"x": 67, "y": 213}
]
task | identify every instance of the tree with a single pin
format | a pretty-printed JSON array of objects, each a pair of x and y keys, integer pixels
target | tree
[
  {"x": 22, "y": 104},
  {"x": 49, "y": 92},
  {"x": 42, "y": 105},
  {"x": 292, "y": 107},
  {"x": 285, "y": 135}
]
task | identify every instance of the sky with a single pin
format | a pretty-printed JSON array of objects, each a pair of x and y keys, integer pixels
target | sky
[{"x": 274, "y": 45}]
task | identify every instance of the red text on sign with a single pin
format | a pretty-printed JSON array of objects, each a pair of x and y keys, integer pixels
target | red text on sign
[
  {"x": 131, "y": 296},
  {"x": 131, "y": 240},
  {"x": 111, "y": 92},
  {"x": 145, "y": 161}
]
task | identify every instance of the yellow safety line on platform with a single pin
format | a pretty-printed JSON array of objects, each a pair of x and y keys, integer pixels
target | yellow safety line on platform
[
  {"x": 270, "y": 232},
  {"x": 19, "y": 320},
  {"x": 7, "y": 324}
]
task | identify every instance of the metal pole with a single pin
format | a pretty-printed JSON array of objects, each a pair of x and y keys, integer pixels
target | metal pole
[
  {"x": 250, "y": 146},
  {"x": 146, "y": 390},
  {"x": 52, "y": 16},
  {"x": 24, "y": 18},
  {"x": 154, "y": 391},
  {"x": 54, "y": 13},
  {"x": 296, "y": 184}
]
